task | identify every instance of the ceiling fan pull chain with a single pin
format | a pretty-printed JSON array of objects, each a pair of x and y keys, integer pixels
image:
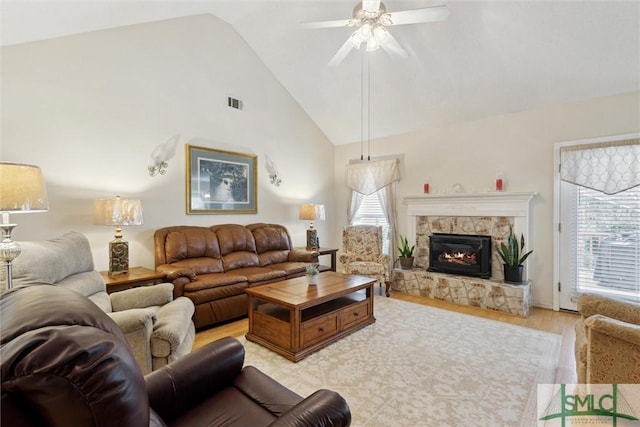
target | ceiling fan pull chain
[
  {"x": 362, "y": 53},
  {"x": 368, "y": 108}
]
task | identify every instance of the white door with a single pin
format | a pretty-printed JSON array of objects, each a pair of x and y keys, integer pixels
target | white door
[{"x": 598, "y": 243}]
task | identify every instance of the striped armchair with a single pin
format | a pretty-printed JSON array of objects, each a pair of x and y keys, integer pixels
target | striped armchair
[{"x": 362, "y": 246}]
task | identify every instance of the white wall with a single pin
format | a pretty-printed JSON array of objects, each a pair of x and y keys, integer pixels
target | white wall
[
  {"x": 520, "y": 145},
  {"x": 89, "y": 109}
]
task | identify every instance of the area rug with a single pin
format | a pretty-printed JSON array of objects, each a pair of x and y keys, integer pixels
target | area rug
[{"x": 423, "y": 366}]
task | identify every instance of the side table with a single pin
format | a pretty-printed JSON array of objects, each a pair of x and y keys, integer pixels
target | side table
[
  {"x": 327, "y": 251},
  {"x": 137, "y": 276}
]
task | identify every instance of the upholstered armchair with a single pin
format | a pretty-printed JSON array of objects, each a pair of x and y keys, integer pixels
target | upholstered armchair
[
  {"x": 64, "y": 362},
  {"x": 607, "y": 341},
  {"x": 362, "y": 246},
  {"x": 158, "y": 327}
]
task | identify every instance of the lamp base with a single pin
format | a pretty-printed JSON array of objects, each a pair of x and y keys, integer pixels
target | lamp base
[
  {"x": 118, "y": 257},
  {"x": 312, "y": 239},
  {"x": 9, "y": 250}
]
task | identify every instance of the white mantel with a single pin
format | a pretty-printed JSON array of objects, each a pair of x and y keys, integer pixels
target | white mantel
[{"x": 497, "y": 204}]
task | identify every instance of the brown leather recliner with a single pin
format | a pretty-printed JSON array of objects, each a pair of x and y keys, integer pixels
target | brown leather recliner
[{"x": 64, "y": 362}]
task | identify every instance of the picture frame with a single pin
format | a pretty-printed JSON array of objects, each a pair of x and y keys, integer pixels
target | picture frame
[{"x": 221, "y": 182}]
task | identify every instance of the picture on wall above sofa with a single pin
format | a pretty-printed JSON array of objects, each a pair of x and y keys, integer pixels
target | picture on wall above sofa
[{"x": 221, "y": 181}]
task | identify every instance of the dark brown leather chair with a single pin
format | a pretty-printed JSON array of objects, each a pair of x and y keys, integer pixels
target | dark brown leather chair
[{"x": 64, "y": 362}]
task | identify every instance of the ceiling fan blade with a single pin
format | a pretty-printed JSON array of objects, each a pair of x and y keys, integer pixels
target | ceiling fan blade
[
  {"x": 371, "y": 5},
  {"x": 390, "y": 45},
  {"x": 325, "y": 24},
  {"x": 416, "y": 16},
  {"x": 342, "y": 53}
]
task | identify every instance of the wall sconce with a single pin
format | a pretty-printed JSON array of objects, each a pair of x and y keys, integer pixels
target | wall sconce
[
  {"x": 22, "y": 190},
  {"x": 117, "y": 212},
  {"x": 158, "y": 168},
  {"x": 273, "y": 172},
  {"x": 311, "y": 212},
  {"x": 161, "y": 154}
]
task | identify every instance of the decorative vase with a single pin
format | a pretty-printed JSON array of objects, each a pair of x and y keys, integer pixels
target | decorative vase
[
  {"x": 513, "y": 274},
  {"x": 313, "y": 279},
  {"x": 406, "y": 262}
]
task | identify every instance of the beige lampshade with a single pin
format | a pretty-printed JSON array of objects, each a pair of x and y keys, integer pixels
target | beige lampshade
[
  {"x": 117, "y": 212},
  {"x": 312, "y": 212},
  {"x": 22, "y": 189}
]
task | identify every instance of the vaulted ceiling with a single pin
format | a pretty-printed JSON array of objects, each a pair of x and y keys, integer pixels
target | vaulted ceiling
[{"x": 487, "y": 58}]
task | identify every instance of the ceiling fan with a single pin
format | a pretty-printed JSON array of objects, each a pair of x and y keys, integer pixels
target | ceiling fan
[{"x": 371, "y": 20}]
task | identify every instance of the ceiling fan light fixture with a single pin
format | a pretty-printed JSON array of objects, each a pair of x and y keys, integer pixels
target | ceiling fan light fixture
[
  {"x": 372, "y": 44},
  {"x": 381, "y": 34}
]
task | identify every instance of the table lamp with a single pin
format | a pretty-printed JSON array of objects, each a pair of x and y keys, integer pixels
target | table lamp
[
  {"x": 117, "y": 212},
  {"x": 22, "y": 190},
  {"x": 312, "y": 212}
]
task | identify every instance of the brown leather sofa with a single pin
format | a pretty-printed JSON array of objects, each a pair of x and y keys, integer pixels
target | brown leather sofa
[
  {"x": 213, "y": 266},
  {"x": 64, "y": 362}
]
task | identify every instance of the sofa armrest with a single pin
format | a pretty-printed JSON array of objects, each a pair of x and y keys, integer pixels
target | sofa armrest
[
  {"x": 614, "y": 328},
  {"x": 626, "y": 311},
  {"x": 144, "y": 296},
  {"x": 186, "y": 382},
  {"x": 172, "y": 325},
  {"x": 137, "y": 326},
  {"x": 174, "y": 273},
  {"x": 303, "y": 255},
  {"x": 322, "y": 408}
]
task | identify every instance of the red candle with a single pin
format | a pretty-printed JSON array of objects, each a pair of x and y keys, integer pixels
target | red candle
[
  {"x": 426, "y": 188},
  {"x": 498, "y": 184}
]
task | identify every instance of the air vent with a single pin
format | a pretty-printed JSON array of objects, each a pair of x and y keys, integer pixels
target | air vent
[{"x": 234, "y": 103}]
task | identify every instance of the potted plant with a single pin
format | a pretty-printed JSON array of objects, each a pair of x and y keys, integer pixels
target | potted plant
[
  {"x": 513, "y": 257},
  {"x": 312, "y": 274},
  {"x": 406, "y": 253}
]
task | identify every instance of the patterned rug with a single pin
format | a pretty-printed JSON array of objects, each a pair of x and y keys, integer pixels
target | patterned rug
[{"x": 423, "y": 366}]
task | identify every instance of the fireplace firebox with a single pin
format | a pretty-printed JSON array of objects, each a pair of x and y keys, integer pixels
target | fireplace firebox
[{"x": 467, "y": 255}]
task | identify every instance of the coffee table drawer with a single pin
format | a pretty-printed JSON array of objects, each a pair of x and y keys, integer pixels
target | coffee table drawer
[
  {"x": 317, "y": 329},
  {"x": 354, "y": 314}
]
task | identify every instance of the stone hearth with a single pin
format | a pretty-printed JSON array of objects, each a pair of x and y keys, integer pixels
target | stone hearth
[{"x": 476, "y": 292}]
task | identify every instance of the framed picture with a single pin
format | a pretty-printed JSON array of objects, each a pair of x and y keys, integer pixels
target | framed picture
[{"x": 221, "y": 182}]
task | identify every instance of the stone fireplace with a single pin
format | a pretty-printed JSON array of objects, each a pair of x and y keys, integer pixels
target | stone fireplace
[{"x": 488, "y": 215}]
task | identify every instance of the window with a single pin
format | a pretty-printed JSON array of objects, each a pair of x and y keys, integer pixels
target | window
[
  {"x": 370, "y": 213},
  {"x": 607, "y": 236}
]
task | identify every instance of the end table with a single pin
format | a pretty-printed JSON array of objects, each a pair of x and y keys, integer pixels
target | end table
[{"x": 137, "y": 276}]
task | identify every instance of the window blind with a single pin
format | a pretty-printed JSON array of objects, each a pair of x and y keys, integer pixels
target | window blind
[
  {"x": 607, "y": 233},
  {"x": 370, "y": 213}
]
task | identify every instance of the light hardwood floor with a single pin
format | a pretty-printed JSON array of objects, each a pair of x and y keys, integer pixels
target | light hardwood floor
[{"x": 557, "y": 322}]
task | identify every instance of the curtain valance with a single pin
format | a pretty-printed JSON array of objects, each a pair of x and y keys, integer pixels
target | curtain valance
[
  {"x": 609, "y": 167},
  {"x": 367, "y": 178}
]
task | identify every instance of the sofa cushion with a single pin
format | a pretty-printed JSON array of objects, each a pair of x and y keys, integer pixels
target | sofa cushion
[
  {"x": 212, "y": 280},
  {"x": 190, "y": 242},
  {"x": 260, "y": 274},
  {"x": 222, "y": 292},
  {"x": 271, "y": 237},
  {"x": 234, "y": 238},
  {"x": 236, "y": 260},
  {"x": 201, "y": 265},
  {"x": 290, "y": 267},
  {"x": 273, "y": 257},
  {"x": 52, "y": 260}
]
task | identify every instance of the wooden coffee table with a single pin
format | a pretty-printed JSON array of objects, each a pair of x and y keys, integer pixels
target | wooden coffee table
[{"x": 295, "y": 319}]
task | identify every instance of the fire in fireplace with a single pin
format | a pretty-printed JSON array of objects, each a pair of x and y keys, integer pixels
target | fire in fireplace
[{"x": 468, "y": 255}]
